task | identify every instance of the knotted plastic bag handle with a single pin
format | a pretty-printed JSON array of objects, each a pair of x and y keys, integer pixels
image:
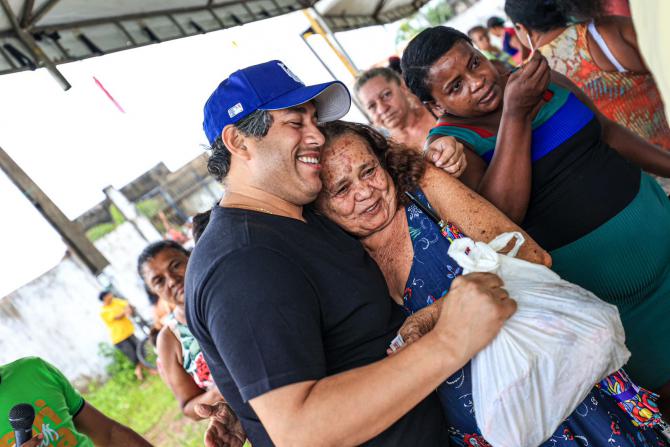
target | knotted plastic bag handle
[{"x": 482, "y": 257}]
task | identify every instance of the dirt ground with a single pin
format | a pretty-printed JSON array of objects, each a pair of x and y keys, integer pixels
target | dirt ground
[{"x": 176, "y": 430}]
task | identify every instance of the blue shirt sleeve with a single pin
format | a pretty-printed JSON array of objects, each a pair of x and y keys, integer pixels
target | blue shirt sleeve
[{"x": 263, "y": 315}]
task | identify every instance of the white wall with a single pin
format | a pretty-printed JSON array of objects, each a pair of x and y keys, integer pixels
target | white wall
[
  {"x": 203, "y": 198},
  {"x": 121, "y": 248},
  {"x": 56, "y": 316}
]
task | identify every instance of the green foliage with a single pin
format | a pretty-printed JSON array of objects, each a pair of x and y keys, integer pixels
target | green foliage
[
  {"x": 117, "y": 217},
  {"x": 407, "y": 31},
  {"x": 119, "y": 366},
  {"x": 438, "y": 14},
  {"x": 433, "y": 14},
  {"x": 100, "y": 230},
  {"x": 148, "y": 208},
  {"x": 123, "y": 398},
  {"x": 148, "y": 407}
]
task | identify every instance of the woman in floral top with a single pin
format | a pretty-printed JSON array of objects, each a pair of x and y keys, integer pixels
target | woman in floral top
[
  {"x": 162, "y": 266},
  {"x": 600, "y": 55}
]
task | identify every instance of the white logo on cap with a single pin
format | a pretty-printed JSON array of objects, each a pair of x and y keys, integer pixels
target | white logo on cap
[
  {"x": 235, "y": 110},
  {"x": 290, "y": 73}
]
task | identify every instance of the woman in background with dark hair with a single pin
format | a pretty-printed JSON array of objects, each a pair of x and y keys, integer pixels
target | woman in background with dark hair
[
  {"x": 390, "y": 106},
  {"x": 600, "y": 55},
  {"x": 542, "y": 154},
  {"x": 162, "y": 266},
  {"x": 394, "y": 64}
]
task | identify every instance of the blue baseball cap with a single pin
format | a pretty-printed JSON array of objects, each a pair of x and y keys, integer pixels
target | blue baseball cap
[{"x": 270, "y": 86}]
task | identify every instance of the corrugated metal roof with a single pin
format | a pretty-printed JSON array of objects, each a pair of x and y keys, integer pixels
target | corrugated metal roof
[
  {"x": 35, "y": 33},
  {"x": 70, "y": 30},
  {"x": 349, "y": 14}
]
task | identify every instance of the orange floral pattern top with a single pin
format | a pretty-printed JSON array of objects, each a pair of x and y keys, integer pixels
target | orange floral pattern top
[{"x": 630, "y": 99}]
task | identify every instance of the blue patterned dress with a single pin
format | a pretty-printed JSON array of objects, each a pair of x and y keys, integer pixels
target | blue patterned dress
[{"x": 597, "y": 421}]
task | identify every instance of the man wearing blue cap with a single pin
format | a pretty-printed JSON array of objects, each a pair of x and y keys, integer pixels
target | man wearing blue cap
[{"x": 293, "y": 316}]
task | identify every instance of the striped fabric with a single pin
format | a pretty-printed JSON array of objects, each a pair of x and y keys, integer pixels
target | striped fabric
[
  {"x": 545, "y": 125},
  {"x": 570, "y": 166}
]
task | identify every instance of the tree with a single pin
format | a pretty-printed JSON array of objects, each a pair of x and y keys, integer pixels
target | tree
[
  {"x": 438, "y": 14},
  {"x": 432, "y": 14}
]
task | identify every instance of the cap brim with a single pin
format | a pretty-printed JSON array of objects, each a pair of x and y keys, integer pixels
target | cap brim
[{"x": 331, "y": 99}]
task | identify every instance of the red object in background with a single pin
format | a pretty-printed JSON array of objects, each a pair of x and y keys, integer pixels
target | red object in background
[
  {"x": 176, "y": 235},
  {"x": 111, "y": 98}
]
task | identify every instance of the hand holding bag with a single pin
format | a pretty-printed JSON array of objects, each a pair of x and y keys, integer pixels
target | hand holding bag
[{"x": 548, "y": 356}]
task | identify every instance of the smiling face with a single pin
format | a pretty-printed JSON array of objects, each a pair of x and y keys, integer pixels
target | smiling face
[
  {"x": 164, "y": 275},
  {"x": 464, "y": 83},
  {"x": 385, "y": 101},
  {"x": 286, "y": 160},
  {"x": 358, "y": 194}
]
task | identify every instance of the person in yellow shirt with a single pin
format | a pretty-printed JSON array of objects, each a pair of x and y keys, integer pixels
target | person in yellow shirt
[{"x": 115, "y": 313}]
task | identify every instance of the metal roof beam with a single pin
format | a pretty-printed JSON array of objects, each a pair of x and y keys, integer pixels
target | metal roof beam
[
  {"x": 36, "y": 51},
  {"x": 378, "y": 9},
  {"x": 217, "y": 18},
  {"x": 27, "y": 12},
  {"x": 44, "y": 9},
  {"x": 71, "y": 233},
  {"x": 8, "y": 59},
  {"x": 178, "y": 25},
  {"x": 121, "y": 18},
  {"x": 132, "y": 17}
]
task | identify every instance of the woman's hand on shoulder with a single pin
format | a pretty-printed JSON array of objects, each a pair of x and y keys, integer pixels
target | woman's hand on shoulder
[
  {"x": 526, "y": 86},
  {"x": 446, "y": 153}
]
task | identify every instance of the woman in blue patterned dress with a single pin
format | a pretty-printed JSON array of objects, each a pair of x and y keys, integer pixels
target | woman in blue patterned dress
[{"x": 365, "y": 181}]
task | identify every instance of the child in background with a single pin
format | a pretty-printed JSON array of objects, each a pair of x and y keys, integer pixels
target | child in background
[
  {"x": 510, "y": 42},
  {"x": 480, "y": 37}
]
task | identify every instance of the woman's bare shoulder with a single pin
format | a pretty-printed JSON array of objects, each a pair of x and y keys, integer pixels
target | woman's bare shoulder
[
  {"x": 619, "y": 35},
  {"x": 614, "y": 24}
]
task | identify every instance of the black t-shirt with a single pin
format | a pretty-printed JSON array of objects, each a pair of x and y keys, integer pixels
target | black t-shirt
[{"x": 275, "y": 301}]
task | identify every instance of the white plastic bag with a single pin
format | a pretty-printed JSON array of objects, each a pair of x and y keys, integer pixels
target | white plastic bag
[{"x": 548, "y": 356}]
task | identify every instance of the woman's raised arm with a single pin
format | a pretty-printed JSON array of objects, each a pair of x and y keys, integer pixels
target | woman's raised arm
[{"x": 473, "y": 214}]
